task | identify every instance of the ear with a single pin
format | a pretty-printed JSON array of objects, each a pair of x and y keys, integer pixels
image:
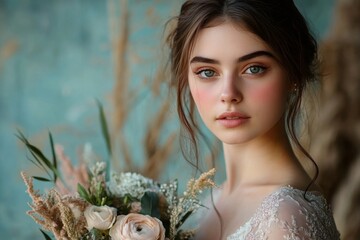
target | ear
[
  {"x": 292, "y": 91},
  {"x": 292, "y": 87}
]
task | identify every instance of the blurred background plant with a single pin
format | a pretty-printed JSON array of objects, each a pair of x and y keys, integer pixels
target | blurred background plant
[
  {"x": 335, "y": 133},
  {"x": 57, "y": 57}
]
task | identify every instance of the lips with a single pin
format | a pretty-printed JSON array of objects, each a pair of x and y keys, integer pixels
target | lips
[
  {"x": 232, "y": 119},
  {"x": 232, "y": 115}
]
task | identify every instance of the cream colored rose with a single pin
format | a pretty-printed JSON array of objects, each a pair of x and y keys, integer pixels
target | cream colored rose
[
  {"x": 136, "y": 226},
  {"x": 101, "y": 218}
]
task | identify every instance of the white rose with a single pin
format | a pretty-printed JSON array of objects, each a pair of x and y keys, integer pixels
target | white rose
[
  {"x": 101, "y": 218},
  {"x": 136, "y": 226}
]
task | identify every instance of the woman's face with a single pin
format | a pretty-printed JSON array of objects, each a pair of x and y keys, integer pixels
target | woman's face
[{"x": 238, "y": 86}]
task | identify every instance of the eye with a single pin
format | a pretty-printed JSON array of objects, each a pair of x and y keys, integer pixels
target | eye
[
  {"x": 255, "y": 69},
  {"x": 206, "y": 73}
]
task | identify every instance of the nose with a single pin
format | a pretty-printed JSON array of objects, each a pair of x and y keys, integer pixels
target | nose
[{"x": 231, "y": 92}]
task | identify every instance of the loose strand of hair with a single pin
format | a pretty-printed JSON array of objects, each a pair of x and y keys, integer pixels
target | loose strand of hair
[
  {"x": 291, "y": 122},
  {"x": 188, "y": 129}
]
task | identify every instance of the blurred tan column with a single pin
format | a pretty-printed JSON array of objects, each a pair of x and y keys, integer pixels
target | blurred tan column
[{"x": 335, "y": 135}]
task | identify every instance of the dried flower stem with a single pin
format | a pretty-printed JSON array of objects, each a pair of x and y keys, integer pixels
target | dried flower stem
[
  {"x": 53, "y": 213},
  {"x": 194, "y": 187},
  {"x": 189, "y": 203}
]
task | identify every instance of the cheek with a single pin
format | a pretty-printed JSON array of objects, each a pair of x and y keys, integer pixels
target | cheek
[
  {"x": 200, "y": 95},
  {"x": 271, "y": 95},
  {"x": 205, "y": 100}
]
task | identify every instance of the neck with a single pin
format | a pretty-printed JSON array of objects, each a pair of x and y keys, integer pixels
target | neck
[{"x": 265, "y": 161}]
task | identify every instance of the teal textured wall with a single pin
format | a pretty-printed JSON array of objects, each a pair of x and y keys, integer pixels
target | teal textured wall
[{"x": 55, "y": 59}]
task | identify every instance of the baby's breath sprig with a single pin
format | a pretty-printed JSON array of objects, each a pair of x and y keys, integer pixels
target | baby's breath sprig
[{"x": 170, "y": 192}]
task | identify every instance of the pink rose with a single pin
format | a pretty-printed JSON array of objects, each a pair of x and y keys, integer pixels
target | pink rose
[
  {"x": 136, "y": 226},
  {"x": 135, "y": 207},
  {"x": 101, "y": 218}
]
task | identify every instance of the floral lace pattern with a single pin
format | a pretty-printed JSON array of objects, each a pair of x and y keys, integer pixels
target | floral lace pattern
[{"x": 286, "y": 214}]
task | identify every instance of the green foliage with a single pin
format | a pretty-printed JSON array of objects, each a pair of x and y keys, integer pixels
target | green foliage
[
  {"x": 104, "y": 128},
  {"x": 53, "y": 154},
  {"x": 42, "y": 179},
  {"x": 96, "y": 234},
  {"x": 150, "y": 204},
  {"x": 97, "y": 197},
  {"x": 83, "y": 192},
  {"x": 105, "y": 134},
  {"x": 183, "y": 219},
  {"x": 40, "y": 160}
]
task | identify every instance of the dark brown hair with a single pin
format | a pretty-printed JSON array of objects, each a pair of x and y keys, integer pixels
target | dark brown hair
[{"x": 277, "y": 22}]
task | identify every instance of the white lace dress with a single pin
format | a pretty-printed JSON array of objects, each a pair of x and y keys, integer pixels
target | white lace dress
[{"x": 285, "y": 214}]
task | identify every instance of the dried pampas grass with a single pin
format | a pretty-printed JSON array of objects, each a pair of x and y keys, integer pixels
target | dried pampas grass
[
  {"x": 63, "y": 216},
  {"x": 157, "y": 148}
]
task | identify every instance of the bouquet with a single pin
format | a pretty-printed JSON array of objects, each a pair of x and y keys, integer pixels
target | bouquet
[{"x": 91, "y": 202}]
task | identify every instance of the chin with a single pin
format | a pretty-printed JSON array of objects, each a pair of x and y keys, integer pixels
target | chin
[{"x": 234, "y": 140}]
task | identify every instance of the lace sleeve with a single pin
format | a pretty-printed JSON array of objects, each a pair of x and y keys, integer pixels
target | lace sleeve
[
  {"x": 298, "y": 218},
  {"x": 286, "y": 214},
  {"x": 292, "y": 222}
]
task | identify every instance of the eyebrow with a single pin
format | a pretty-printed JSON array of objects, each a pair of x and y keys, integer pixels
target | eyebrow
[{"x": 246, "y": 57}]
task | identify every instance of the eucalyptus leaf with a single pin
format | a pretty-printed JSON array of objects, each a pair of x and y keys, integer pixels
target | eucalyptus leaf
[{"x": 150, "y": 204}]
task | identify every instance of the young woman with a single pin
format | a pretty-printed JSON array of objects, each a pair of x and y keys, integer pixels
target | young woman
[{"x": 244, "y": 64}]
